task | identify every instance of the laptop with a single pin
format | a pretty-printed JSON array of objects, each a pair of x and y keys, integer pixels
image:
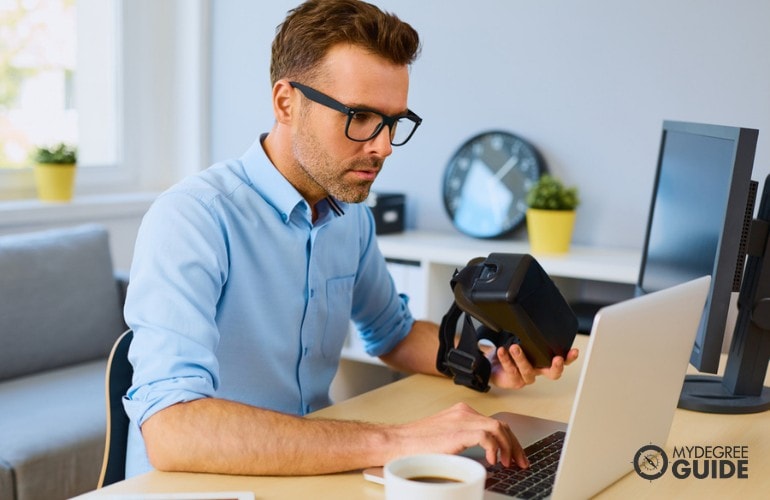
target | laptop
[{"x": 633, "y": 370}]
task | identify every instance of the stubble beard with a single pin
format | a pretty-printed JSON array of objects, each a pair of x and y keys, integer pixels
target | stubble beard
[{"x": 328, "y": 174}]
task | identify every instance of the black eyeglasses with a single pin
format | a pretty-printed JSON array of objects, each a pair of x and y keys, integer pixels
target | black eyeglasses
[{"x": 364, "y": 124}]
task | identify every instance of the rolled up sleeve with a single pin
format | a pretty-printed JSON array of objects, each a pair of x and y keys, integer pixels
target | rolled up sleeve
[
  {"x": 380, "y": 313},
  {"x": 173, "y": 290}
]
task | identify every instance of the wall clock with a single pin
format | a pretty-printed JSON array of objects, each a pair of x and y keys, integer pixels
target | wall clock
[{"x": 486, "y": 182}]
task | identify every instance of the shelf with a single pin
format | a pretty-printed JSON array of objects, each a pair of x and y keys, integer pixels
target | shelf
[
  {"x": 422, "y": 263},
  {"x": 454, "y": 249}
]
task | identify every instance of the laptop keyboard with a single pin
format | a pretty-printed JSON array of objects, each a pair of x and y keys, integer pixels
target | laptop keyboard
[{"x": 535, "y": 482}]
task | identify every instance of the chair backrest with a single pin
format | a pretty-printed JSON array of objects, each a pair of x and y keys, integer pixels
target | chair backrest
[{"x": 117, "y": 382}]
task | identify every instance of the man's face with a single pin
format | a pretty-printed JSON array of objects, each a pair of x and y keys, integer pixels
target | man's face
[{"x": 327, "y": 162}]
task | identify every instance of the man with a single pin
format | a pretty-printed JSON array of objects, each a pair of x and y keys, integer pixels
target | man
[{"x": 246, "y": 276}]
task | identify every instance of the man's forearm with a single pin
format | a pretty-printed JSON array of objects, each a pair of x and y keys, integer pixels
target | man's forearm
[
  {"x": 219, "y": 436},
  {"x": 417, "y": 352}
]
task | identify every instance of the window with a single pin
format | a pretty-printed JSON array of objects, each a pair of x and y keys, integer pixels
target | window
[
  {"x": 59, "y": 79},
  {"x": 129, "y": 86}
]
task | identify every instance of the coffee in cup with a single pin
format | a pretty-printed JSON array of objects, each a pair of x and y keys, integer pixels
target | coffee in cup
[{"x": 435, "y": 476}]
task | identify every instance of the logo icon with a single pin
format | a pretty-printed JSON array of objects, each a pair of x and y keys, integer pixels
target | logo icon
[{"x": 650, "y": 462}]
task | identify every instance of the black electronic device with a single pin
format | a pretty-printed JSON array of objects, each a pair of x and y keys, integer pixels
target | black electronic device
[
  {"x": 741, "y": 389},
  {"x": 388, "y": 211},
  {"x": 486, "y": 183},
  {"x": 512, "y": 300},
  {"x": 702, "y": 205}
]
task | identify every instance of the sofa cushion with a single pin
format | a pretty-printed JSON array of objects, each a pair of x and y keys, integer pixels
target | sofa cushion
[
  {"x": 60, "y": 304},
  {"x": 52, "y": 428}
]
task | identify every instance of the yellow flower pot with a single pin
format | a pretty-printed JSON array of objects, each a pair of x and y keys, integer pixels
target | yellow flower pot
[
  {"x": 550, "y": 231},
  {"x": 55, "y": 181}
]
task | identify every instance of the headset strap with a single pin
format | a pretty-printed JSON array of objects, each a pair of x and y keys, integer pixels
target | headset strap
[{"x": 466, "y": 364}]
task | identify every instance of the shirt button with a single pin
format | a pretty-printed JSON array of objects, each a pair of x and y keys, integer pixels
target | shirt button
[
  {"x": 305, "y": 351},
  {"x": 312, "y": 293}
]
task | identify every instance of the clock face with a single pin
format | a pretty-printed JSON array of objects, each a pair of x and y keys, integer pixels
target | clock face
[{"x": 486, "y": 182}]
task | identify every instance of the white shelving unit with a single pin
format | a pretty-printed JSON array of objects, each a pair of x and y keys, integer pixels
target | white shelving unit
[{"x": 422, "y": 263}]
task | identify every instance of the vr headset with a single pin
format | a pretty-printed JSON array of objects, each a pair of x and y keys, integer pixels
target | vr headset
[{"x": 505, "y": 299}]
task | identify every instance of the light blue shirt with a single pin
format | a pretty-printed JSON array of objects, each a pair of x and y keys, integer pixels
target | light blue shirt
[{"x": 235, "y": 293}]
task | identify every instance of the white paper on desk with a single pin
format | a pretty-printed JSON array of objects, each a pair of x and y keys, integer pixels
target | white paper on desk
[{"x": 219, "y": 495}]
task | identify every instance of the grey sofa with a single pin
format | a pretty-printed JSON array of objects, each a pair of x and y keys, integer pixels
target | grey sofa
[{"x": 60, "y": 312}]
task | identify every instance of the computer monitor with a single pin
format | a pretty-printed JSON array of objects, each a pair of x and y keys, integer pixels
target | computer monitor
[
  {"x": 742, "y": 389},
  {"x": 702, "y": 205}
]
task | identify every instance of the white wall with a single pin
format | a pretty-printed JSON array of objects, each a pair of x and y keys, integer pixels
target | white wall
[{"x": 587, "y": 82}]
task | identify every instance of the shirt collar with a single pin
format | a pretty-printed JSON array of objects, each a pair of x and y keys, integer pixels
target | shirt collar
[{"x": 277, "y": 191}]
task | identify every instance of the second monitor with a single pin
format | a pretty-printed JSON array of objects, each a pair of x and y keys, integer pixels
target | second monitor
[{"x": 699, "y": 220}]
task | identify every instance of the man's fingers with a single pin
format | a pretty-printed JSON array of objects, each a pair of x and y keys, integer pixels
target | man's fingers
[
  {"x": 503, "y": 445},
  {"x": 523, "y": 365}
]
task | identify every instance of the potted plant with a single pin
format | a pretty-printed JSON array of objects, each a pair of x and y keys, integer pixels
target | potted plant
[
  {"x": 55, "y": 171},
  {"x": 551, "y": 215}
]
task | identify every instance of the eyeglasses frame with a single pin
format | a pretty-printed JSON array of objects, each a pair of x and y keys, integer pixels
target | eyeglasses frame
[{"x": 325, "y": 100}]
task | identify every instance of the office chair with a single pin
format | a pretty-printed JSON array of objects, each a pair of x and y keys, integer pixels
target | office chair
[{"x": 117, "y": 382}]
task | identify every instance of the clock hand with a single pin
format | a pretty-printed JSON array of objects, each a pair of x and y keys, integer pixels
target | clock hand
[{"x": 512, "y": 161}]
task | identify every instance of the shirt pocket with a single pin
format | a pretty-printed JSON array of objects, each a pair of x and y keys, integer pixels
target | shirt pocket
[{"x": 339, "y": 302}]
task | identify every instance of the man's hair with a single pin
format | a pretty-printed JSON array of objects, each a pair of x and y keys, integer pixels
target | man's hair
[{"x": 312, "y": 28}]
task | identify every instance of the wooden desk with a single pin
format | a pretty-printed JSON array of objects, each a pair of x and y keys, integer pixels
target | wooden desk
[{"x": 422, "y": 395}]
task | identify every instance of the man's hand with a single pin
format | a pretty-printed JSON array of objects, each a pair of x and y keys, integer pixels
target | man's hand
[
  {"x": 512, "y": 370},
  {"x": 458, "y": 428}
]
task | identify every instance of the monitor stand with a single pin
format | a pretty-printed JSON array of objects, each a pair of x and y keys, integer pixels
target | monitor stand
[
  {"x": 741, "y": 389},
  {"x": 708, "y": 394}
]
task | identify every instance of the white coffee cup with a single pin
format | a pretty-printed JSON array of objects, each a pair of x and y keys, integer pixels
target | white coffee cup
[{"x": 434, "y": 476}]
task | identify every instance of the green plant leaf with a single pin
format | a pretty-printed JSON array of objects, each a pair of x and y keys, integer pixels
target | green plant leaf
[
  {"x": 61, "y": 154},
  {"x": 550, "y": 194}
]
